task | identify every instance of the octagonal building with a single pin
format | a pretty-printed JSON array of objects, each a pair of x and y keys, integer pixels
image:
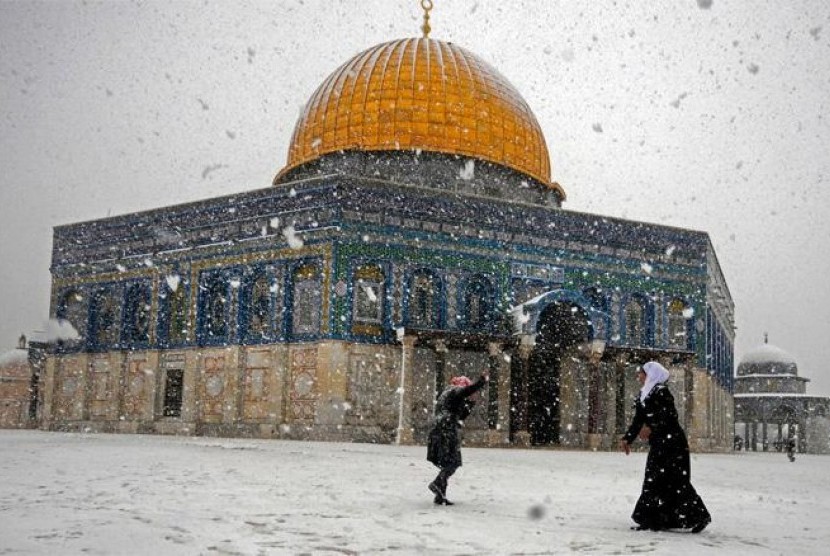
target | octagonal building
[
  {"x": 414, "y": 233},
  {"x": 773, "y": 408}
]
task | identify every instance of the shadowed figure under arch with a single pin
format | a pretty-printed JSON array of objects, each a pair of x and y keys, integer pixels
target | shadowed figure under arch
[{"x": 561, "y": 325}]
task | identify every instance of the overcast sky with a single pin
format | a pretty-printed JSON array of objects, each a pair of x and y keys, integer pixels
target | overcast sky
[{"x": 701, "y": 114}]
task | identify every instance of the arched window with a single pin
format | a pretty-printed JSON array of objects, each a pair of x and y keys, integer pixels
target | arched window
[
  {"x": 214, "y": 310},
  {"x": 258, "y": 307},
  {"x": 307, "y": 297},
  {"x": 176, "y": 314},
  {"x": 635, "y": 322},
  {"x": 478, "y": 304},
  {"x": 598, "y": 301},
  {"x": 103, "y": 318},
  {"x": 72, "y": 309},
  {"x": 368, "y": 300},
  {"x": 425, "y": 300},
  {"x": 137, "y": 315},
  {"x": 678, "y": 324}
]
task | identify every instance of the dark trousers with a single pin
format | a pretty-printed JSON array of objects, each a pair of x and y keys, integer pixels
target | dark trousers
[{"x": 444, "y": 477}]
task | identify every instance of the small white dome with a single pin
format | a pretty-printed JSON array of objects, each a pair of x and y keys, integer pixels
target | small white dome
[
  {"x": 767, "y": 359},
  {"x": 768, "y": 353}
]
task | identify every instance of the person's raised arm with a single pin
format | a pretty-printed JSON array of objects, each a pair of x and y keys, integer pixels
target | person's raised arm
[{"x": 468, "y": 391}]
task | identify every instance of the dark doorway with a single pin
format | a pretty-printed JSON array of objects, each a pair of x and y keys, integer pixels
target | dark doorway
[
  {"x": 173, "y": 390},
  {"x": 561, "y": 326}
]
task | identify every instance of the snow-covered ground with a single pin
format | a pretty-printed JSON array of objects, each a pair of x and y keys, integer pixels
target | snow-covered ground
[{"x": 130, "y": 494}]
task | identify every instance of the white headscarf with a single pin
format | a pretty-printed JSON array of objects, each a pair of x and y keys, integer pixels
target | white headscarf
[{"x": 655, "y": 374}]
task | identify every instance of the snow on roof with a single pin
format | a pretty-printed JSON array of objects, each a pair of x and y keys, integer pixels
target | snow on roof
[
  {"x": 54, "y": 330},
  {"x": 776, "y": 395},
  {"x": 780, "y": 376},
  {"x": 768, "y": 353},
  {"x": 534, "y": 301},
  {"x": 13, "y": 357}
]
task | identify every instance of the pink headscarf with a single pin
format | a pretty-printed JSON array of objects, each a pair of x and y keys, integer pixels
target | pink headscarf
[
  {"x": 461, "y": 381},
  {"x": 655, "y": 374}
]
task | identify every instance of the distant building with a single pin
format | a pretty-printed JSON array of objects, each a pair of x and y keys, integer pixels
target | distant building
[
  {"x": 415, "y": 210},
  {"x": 772, "y": 406},
  {"x": 19, "y": 382}
]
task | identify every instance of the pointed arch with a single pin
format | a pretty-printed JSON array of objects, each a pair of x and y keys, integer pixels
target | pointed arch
[
  {"x": 72, "y": 307},
  {"x": 368, "y": 300},
  {"x": 638, "y": 321},
  {"x": 173, "y": 327},
  {"x": 103, "y": 319},
  {"x": 257, "y": 307},
  {"x": 306, "y": 298},
  {"x": 678, "y": 323},
  {"x": 477, "y": 303},
  {"x": 214, "y": 308},
  {"x": 424, "y": 300},
  {"x": 137, "y": 307}
]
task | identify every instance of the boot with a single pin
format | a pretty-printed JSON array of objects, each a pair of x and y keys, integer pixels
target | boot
[
  {"x": 440, "y": 497},
  {"x": 436, "y": 490}
]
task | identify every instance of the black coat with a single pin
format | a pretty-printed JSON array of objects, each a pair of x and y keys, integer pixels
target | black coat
[
  {"x": 668, "y": 499},
  {"x": 452, "y": 407}
]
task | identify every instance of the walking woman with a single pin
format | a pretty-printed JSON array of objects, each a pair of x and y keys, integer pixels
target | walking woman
[
  {"x": 668, "y": 499},
  {"x": 444, "y": 450}
]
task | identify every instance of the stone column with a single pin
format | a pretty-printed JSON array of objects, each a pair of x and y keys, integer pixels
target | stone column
[
  {"x": 238, "y": 378},
  {"x": 801, "y": 446},
  {"x": 764, "y": 440},
  {"x": 620, "y": 397},
  {"x": 754, "y": 436},
  {"x": 596, "y": 400},
  {"x": 282, "y": 378},
  {"x": 232, "y": 382},
  {"x": 500, "y": 389},
  {"x": 518, "y": 386},
  {"x": 191, "y": 368},
  {"x": 440, "y": 368},
  {"x": 405, "y": 435},
  {"x": 121, "y": 387},
  {"x": 573, "y": 398}
]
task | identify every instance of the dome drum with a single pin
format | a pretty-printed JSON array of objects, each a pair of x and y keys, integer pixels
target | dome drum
[{"x": 430, "y": 170}]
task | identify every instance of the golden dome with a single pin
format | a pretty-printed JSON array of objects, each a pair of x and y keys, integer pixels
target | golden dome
[{"x": 425, "y": 94}]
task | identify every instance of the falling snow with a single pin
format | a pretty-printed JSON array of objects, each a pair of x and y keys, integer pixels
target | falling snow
[
  {"x": 290, "y": 235},
  {"x": 172, "y": 281},
  {"x": 370, "y": 293},
  {"x": 468, "y": 171}
]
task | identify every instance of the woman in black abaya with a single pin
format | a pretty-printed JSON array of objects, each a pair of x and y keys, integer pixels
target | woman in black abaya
[{"x": 668, "y": 499}]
